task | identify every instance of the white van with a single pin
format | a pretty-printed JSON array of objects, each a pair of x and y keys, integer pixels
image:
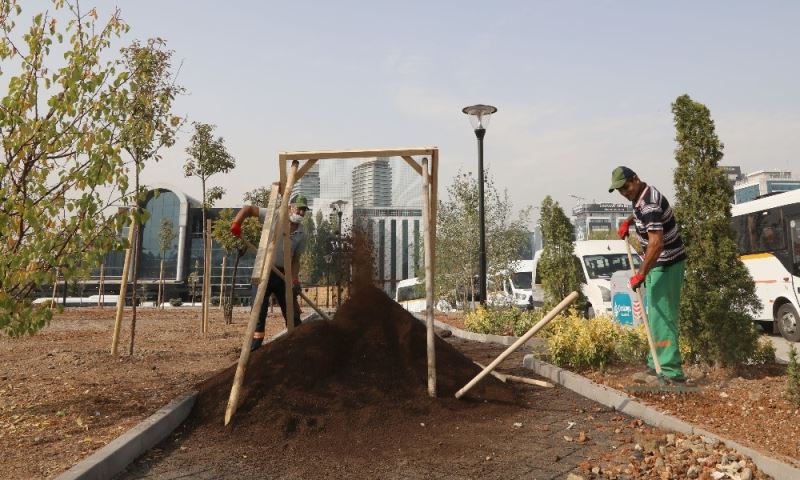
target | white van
[
  {"x": 517, "y": 286},
  {"x": 410, "y": 294},
  {"x": 596, "y": 261}
]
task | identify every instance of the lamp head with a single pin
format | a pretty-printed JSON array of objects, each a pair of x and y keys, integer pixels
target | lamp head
[{"x": 479, "y": 115}]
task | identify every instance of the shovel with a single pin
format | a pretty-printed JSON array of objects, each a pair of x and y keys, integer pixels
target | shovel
[{"x": 661, "y": 387}]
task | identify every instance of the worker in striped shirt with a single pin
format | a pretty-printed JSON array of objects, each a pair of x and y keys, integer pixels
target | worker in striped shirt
[{"x": 662, "y": 269}]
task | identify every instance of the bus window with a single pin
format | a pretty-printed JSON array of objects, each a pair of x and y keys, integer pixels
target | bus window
[
  {"x": 763, "y": 232},
  {"x": 794, "y": 233}
]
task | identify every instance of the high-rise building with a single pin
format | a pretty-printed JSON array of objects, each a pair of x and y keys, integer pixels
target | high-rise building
[
  {"x": 763, "y": 182},
  {"x": 372, "y": 184},
  {"x": 598, "y": 217},
  {"x": 308, "y": 185}
]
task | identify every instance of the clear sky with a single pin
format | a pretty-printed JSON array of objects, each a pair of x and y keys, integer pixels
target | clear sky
[{"x": 580, "y": 86}]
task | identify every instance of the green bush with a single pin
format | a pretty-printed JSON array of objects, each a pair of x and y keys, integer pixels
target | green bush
[
  {"x": 764, "y": 354},
  {"x": 526, "y": 320},
  {"x": 793, "y": 377},
  {"x": 593, "y": 344},
  {"x": 489, "y": 321},
  {"x": 175, "y": 302},
  {"x": 571, "y": 340}
]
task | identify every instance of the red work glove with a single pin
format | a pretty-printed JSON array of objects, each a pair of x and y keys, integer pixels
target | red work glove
[
  {"x": 623, "y": 229},
  {"x": 636, "y": 281},
  {"x": 236, "y": 229}
]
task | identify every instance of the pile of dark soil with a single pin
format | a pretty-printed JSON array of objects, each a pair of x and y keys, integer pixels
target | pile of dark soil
[{"x": 369, "y": 358}]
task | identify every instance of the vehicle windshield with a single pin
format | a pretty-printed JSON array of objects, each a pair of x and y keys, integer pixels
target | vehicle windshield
[
  {"x": 522, "y": 280},
  {"x": 411, "y": 292},
  {"x": 604, "y": 265}
]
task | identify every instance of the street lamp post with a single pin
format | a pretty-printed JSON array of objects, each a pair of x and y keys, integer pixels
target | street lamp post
[{"x": 479, "y": 118}]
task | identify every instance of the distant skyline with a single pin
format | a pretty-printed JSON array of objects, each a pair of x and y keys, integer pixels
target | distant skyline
[{"x": 580, "y": 86}]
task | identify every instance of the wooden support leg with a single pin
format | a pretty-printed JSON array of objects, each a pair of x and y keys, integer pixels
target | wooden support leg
[{"x": 520, "y": 341}]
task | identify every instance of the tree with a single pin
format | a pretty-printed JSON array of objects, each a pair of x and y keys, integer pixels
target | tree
[
  {"x": 258, "y": 197},
  {"x": 60, "y": 123},
  {"x": 251, "y": 232},
  {"x": 207, "y": 157},
  {"x": 557, "y": 264},
  {"x": 166, "y": 235},
  {"x": 148, "y": 124},
  {"x": 193, "y": 279},
  {"x": 457, "y": 231},
  {"x": 323, "y": 254},
  {"x": 718, "y": 301},
  {"x": 308, "y": 260}
]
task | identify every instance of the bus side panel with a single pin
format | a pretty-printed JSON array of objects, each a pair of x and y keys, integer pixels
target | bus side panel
[{"x": 771, "y": 279}]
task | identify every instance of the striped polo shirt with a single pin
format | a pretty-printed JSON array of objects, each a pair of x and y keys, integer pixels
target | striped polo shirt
[{"x": 652, "y": 213}]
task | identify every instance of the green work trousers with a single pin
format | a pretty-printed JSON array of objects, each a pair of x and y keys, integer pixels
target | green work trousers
[{"x": 663, "y": 306}]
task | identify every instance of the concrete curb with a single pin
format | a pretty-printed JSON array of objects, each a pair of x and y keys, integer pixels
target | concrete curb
[
  {"x": 624, "y": 403},
  {"x": 123, "y": 450},
  {"x": 114, "y": 457}
]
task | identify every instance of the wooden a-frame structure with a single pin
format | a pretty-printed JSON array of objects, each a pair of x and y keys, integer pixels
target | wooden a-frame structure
[{"x": 290, "y": 172}]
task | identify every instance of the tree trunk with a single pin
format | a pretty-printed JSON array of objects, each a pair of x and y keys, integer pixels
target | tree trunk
[
  {"x": 229, "y": 311},
  {"x": 160, "y": 300}
]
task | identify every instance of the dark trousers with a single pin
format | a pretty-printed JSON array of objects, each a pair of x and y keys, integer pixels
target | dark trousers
[{"x": 275, "y": 286}]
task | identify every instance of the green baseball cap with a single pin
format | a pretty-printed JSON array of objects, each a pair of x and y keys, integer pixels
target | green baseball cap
[
  {"x": 619, "y": 176},
  {"x": 300, "y": 202}
]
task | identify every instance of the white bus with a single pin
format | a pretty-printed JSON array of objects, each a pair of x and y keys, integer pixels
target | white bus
[{"x": 768, "y": 231}]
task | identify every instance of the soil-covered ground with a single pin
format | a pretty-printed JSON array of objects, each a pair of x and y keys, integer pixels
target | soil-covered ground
[
  {"x": 63, "y": 396},
  {"x": 746, "y": 404},
  {"x": 322, "y": 402}
]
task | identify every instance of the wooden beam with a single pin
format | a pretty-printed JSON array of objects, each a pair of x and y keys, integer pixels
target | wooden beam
[
  {"x": 379, "y": 152},
  {"x": 244, "y": 355},
  {"x": 504, "y": 377},
  {"x": 287, "y": 248},
  {"x": 520, "y": 341},
  {"x": 413, "y": 164},
  {"x": 266, "y": 231},
  {"x": 123, "y": 286},
  {"x": 305, "y": 168},
  {"x": 434, "y": 209},
  {"x": 428, "y": 245}
]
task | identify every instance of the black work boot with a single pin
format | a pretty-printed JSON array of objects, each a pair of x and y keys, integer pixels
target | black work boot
[{"x": 256, "y": 343}]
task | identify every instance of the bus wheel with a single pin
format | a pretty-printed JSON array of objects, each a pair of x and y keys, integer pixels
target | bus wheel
[{"x": 788, "y": 322}]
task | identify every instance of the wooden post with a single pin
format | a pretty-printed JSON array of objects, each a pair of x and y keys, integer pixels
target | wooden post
[
  {"x": 287, "y": 250},
  {"x": 222, "y": 282},
  {"x": 269, "y": 258},
  {"x": 55, "y": 287},
  {"x": 123, "y": 286},
  {"x": 434, "y": 210},
  {"x": 101, "y": 289},
  {"x": 520, "y": 341},
  {"x": 428, "y": 245},
  {"x": 505, "y": 377}
]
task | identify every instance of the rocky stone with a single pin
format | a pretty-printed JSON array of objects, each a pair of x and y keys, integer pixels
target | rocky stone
[
  {"x": 573, "y": 476},
  {"x": 693, "y": 472},
  {"x": 746, "y": 474}
]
